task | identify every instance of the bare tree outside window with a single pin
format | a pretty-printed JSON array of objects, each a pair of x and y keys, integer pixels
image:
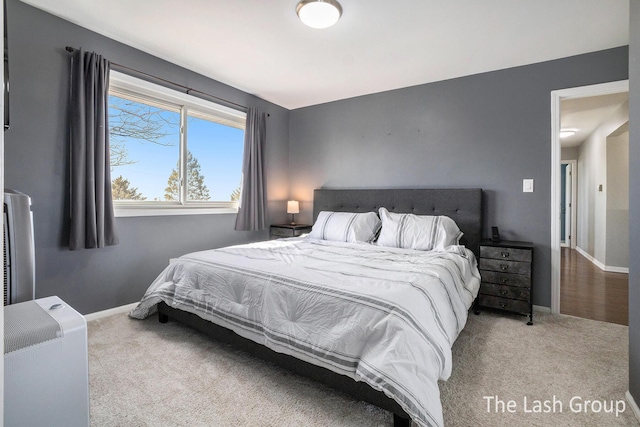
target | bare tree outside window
[
  {"x": 131, "y": 119},
  {"x": 135, "y": 121}
]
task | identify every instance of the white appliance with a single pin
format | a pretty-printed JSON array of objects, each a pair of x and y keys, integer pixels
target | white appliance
[
  {"x": 45, "y": 365},
  {"x": 19, "y": 254}
]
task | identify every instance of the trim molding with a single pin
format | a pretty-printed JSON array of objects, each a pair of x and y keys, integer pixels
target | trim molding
[
  {"x": 574, "y": 202},
  {"x": 541, "y": 309},
  {"x": 106, "y": 313},
  {"x": 633, "y": 405},
  {"x": 611, "y": 269},
  {"x": 556, "y": 97},
  {"x": 601, "y": 266}
]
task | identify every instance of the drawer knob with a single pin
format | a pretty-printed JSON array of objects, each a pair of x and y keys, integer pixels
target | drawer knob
[
  {"x": 504, "y": 267},
  {"x": 504, "y": 280},
  {"x": 503, "y": 305},
  {"x": 504, "y": 254},
  {"x": 504, "y": 292}
]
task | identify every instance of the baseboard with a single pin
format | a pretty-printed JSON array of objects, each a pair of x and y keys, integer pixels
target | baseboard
[
  {"x": 541, "y": 309},
  {"x": 104, "y": 313},
  {"x": 601, "y": 266},
  {"x": 633, "y": 405},
  {"x": 590, "y": 258},
  {"x": 616, "y": 269}
]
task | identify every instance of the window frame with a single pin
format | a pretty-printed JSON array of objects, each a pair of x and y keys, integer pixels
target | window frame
[{"x": 123, "y": 84}]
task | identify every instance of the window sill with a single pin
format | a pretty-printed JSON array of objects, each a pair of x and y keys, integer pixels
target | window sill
[{"x": 133, "y": 211}]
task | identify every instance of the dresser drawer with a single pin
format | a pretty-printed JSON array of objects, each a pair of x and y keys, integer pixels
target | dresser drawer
[
  {"x": 509, "y": 279},
  {"x": 505, "y": 266},
  {"x": 512, "y": 292},
  {"x": 505, "y": 303},
  {"x": 285, "y": 231},
  {"x": 508, "y": 254}
]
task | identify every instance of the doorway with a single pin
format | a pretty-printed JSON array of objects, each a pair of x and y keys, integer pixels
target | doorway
[
  {"x": 556, "y": 178},
  {"x": 568, "y": 191}
]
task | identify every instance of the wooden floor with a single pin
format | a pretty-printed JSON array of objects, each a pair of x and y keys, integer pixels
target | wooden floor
[{"x": 588, "y": 292}]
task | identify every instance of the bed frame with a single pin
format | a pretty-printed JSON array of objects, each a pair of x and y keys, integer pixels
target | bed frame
[{"x": 464, "y": 206}]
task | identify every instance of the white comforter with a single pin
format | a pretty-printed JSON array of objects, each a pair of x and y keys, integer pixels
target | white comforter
[{"x": 384, "y": 316}]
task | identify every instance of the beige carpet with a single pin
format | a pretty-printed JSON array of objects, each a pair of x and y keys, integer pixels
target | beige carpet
[{"x": 143, "y": 373}]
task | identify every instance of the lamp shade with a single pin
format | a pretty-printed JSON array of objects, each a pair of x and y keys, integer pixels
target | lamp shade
[
  {"x": 293, "y": 207},
  {"x": 319, "y": 13}
]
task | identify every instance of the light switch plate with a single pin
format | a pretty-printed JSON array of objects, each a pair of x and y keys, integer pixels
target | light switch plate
[{"x": 527, "y": 185}]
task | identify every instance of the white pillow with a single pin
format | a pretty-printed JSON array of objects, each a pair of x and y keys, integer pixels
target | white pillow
[
  {"x": 420, "y": 232},
  {"x": 346, "y": 226}
]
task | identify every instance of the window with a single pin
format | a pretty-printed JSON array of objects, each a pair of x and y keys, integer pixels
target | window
[{"x": 172, "y": 153}]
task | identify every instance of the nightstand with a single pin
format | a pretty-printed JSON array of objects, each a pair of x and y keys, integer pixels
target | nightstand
[
  {"x": 506, "y": 268},
  {"x": 288, "y": 230}
]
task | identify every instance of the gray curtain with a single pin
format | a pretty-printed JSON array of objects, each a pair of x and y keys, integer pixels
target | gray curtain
[
  {"x": 253, "y": 200},
  {"x": 91, "y": 218}
]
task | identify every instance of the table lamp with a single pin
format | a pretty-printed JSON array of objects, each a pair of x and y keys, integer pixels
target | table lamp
[{"x": 293, "y": 207}]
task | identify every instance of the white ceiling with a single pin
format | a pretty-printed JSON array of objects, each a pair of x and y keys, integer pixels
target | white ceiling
[
  {"x": 260, "y": 46},
  {"x": 584, "y": 115}
]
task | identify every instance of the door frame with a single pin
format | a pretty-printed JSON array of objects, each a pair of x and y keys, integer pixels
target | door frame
[
  {"x": 574, "y": 200},
  {"x": 556, "y": 97}
]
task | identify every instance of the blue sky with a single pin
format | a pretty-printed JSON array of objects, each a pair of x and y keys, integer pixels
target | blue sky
[{"x": 218, "y": 149}]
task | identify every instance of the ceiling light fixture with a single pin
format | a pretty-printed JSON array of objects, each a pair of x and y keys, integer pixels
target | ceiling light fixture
[
  {"x": 319, "y": 13},
  {"x": 567, "y": 133}
]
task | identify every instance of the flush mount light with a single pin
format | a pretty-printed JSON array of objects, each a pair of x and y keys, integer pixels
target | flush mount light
[
  {"x": 319, "y": 13},
  {"x": 565, "y": 133}
]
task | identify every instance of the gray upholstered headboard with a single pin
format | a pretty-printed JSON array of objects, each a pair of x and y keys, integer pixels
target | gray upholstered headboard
[{"x": 463, "y": 205}]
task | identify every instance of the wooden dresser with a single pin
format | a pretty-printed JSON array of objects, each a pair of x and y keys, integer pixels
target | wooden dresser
[{"x": 506, "y": 268}]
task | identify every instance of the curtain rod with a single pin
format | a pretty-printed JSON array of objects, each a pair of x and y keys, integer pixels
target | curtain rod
[{"x": 188, "y": 90}]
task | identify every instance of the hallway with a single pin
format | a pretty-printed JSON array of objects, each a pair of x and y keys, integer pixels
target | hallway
[{"x": 588, "y": 292}]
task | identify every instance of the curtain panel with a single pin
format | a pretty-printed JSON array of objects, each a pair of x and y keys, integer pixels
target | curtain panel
[
  {"x": 252, "y": 211},
  {"x": 92, "y": 221}
]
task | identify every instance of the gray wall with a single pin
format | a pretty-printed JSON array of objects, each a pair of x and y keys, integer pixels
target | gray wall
[
  {"x": 489, "y": 130},
  {"x": 36, "y": 153},
  {"x": 634, "y": 200}
]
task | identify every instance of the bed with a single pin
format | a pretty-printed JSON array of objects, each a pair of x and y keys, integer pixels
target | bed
[{"x": 373, "y": 321}]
